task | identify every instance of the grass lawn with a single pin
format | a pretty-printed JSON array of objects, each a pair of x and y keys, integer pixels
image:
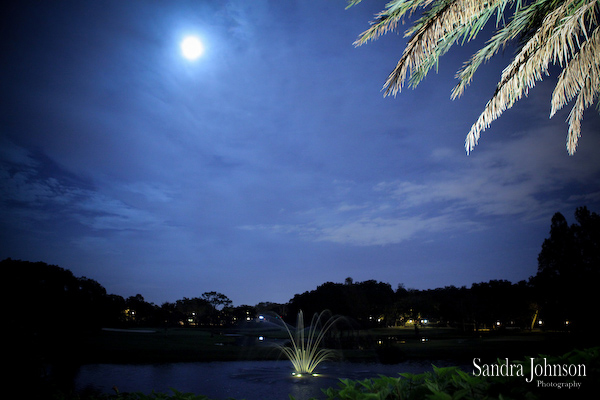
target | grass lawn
[
  {"x": 450, "y": 344},
  {"x": 387, "y": 344},
  {"x": 172, "y": 345}
]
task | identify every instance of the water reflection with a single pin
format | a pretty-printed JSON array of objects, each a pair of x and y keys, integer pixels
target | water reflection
[{"x": 250, "y": 380}]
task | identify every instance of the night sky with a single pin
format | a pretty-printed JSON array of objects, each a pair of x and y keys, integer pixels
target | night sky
[{"x": 271, "y": 164}]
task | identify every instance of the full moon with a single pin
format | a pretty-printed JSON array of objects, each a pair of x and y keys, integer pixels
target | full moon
[{"x": 192, "y": 47}]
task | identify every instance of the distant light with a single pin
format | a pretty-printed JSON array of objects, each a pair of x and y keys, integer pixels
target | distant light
[
  {"x": 192, "y": 47},
  {"x": 261, "y": 317},
  {"x": 261, "y": 338}
]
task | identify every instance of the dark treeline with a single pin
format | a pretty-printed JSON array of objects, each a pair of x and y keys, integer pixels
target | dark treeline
[
  {"x": 496, "y": 304},
  {"x": 562, "y": 295},
  {"x": 42, "y": 298}
]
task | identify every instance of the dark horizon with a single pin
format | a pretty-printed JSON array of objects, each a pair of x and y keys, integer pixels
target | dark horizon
[
  {"x": 395, "y": 288},
  {"x": 566, "y": 263}
]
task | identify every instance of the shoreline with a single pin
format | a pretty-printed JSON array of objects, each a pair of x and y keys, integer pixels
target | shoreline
[{"x": 391, "y": 345}]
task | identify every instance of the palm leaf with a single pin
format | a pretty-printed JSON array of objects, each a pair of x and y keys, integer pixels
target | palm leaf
[
  {"x": 556, "y": 41},
  {"x": 561, "y": 32},
  {"x": 429, "y": 37}
]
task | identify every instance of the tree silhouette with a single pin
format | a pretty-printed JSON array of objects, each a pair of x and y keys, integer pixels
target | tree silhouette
[
  {"x": 217, "y": 299},
  {"x": 194, "y": 311},
  {"x": 569, "y": 270},
  {"x": 364, "y": 302}
]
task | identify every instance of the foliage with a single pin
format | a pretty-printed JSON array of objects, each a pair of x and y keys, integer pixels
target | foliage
[
  {"x": 559, "y": 32},
  {"x": 217, "y": 299},
  {"x": 56, "y": 298},
  {"x": 363, "y": 302},
  {"x": 569, "y": 271},
  {"x": 452, "y": 383}
]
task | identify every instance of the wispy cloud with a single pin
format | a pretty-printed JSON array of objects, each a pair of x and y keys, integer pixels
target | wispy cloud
[
  {"x": 506, "y": 180},
  {"x": 27, "y": 191},
  {"x": 373, "y": 224}
]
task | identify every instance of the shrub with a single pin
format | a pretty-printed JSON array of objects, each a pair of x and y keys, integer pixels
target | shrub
[{"x": 452, "y": 383}]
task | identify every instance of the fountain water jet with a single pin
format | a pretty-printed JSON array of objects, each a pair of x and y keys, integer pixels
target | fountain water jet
[{"x": 304, "y": 352}]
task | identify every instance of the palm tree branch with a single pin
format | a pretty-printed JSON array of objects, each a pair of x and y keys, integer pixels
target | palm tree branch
[
  {"x": 466, "y": 31},
  {"x": 585, "y": 98},
  {"x": 561, "y": 32},
  {"x": 555, "y": 41},
  {"x": 388, "y": 19},
  {"x": 575, "y": 72},
  {"x": 520, "y": 22},
  {"x": 585, "y": 84},
  {"x": 443, "y": 19}
]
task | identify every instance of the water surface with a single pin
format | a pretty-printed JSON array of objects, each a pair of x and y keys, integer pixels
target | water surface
[{"x": 250, "y": 380}]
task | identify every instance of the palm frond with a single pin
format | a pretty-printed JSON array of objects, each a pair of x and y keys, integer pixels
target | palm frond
[
  {"x": 388, "y": 19},
  {"x": 429, "y": 37},
  {"x": 521, "y": 22},
  {"x": 559, "y": 32},
  {"x": 583, "y": 80},
  {"x": 466, "y": 17},
  {"x": 556, "y": 41},
  {"x": 462, "y": 33},
  {"x": 575, "y": 73}
]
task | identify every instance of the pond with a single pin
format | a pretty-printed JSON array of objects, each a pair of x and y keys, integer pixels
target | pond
[{"x": 250, "y": 380}]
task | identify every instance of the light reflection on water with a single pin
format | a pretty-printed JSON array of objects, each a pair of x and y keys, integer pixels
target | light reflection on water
[{"x": 250, "y": 380}]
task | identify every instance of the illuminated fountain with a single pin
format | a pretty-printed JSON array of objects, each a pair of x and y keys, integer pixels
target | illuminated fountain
[{"x": 304, "y": 351}]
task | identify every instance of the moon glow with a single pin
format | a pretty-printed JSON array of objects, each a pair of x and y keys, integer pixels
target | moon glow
[{"x": 192, "y": 48}]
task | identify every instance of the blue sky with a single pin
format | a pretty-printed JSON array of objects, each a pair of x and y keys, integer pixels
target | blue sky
[{"x": 273, "y": 163}]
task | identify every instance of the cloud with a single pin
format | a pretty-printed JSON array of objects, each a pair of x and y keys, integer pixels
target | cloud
[
  {"x": 382, "y": 231},
  {"x": 27, "y": 191},
  {"x": 505, "y": 181},
  {"x": 375, "y": 224}
]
